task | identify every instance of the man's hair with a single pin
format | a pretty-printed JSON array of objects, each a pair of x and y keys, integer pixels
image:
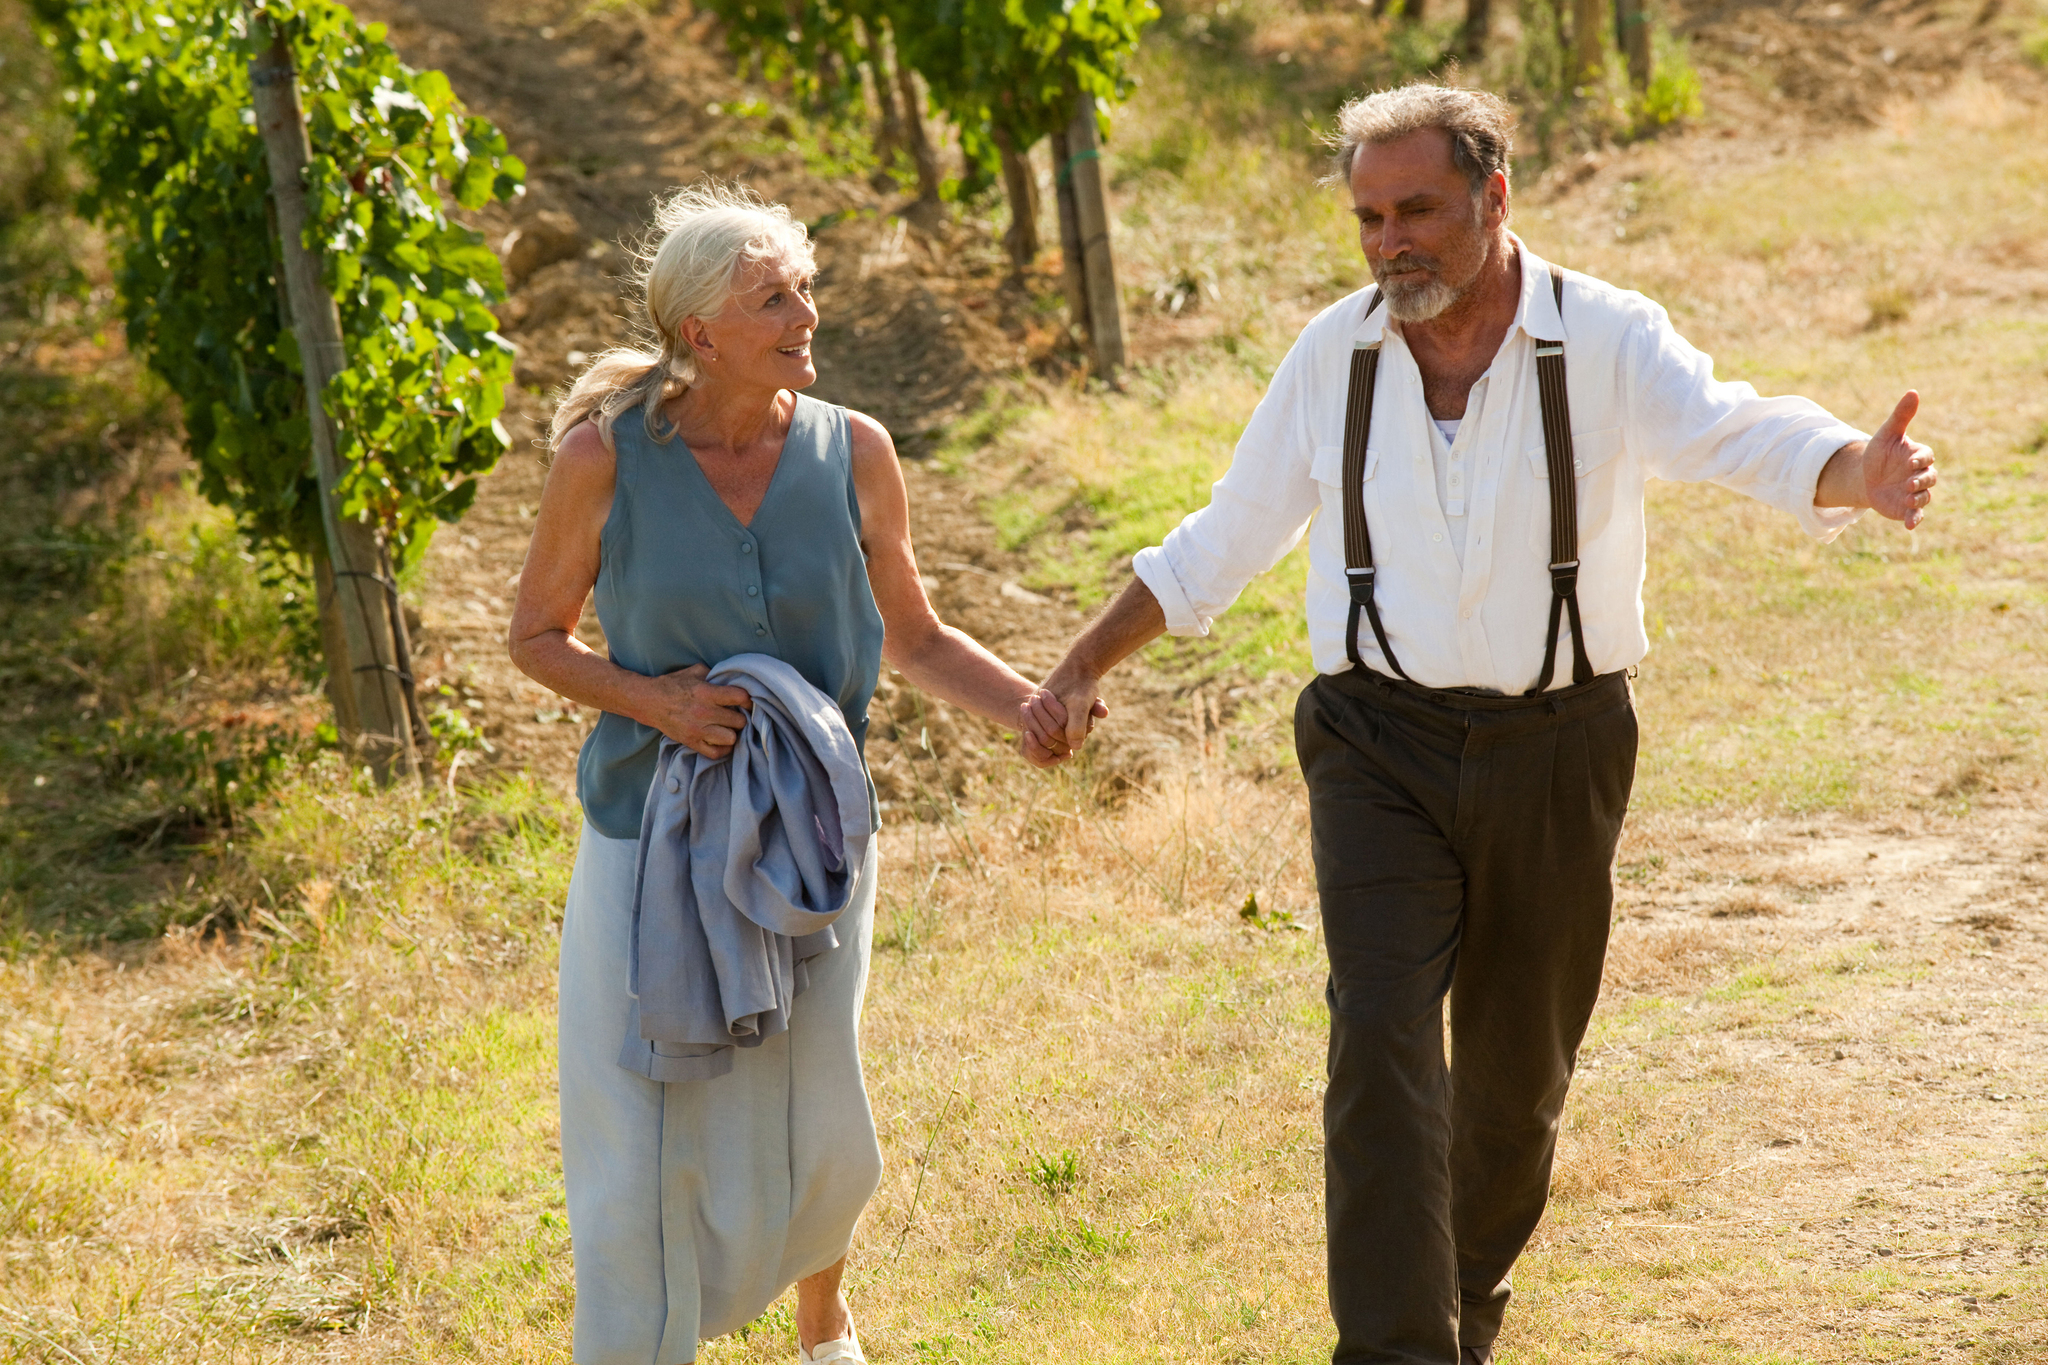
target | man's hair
[{"x": 1481, "y": 127}]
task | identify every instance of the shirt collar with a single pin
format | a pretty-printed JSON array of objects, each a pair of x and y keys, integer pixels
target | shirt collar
[{"x": 1536, "y": 313}]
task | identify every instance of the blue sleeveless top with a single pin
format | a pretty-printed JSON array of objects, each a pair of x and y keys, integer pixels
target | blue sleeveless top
[{"x": 680, "y": 581}]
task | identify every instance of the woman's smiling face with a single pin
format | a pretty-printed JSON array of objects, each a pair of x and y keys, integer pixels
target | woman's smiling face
[{"x": 762, "y": 337}]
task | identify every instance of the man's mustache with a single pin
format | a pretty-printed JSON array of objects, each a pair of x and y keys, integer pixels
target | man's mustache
[{"x": 1404, "y": 265}]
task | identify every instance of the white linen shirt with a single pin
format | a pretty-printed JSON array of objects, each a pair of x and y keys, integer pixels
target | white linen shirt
[{"x": 1644, "y": 403}]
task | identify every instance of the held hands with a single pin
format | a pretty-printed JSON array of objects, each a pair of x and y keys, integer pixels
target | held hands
[
  {"x": 1056, "y": 719},
  {"x": 1898, "y": 473},
  {"x": 705, "y": 716}
]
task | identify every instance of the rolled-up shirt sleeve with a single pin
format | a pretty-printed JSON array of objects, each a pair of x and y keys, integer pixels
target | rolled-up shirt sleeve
[
  {"x": 1257, "y": 511},
  {"x": 1694, "y": 428}
]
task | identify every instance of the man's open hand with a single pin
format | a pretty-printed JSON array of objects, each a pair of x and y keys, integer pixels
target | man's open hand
[{"x": 1898, "y": 473}]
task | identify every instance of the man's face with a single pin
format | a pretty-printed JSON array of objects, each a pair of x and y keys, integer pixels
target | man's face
[{"x": 1424, "y": 233}]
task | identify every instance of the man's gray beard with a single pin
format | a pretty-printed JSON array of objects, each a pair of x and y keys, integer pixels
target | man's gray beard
[{"x": 1414, "y": 301}]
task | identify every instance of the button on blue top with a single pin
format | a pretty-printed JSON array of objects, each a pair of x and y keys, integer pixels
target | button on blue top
[{"x": 680, "y": 581}]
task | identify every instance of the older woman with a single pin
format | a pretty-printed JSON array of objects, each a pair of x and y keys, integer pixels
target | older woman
[{"x": 716, "y": 511}]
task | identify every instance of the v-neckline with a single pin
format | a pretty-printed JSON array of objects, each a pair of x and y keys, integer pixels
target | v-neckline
[{"x": 774, "y": 476}]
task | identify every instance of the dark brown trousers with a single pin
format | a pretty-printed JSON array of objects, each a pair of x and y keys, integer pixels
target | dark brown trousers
[{"x": 1463, "y": 848}]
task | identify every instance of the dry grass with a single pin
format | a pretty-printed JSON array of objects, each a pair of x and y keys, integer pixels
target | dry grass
[
  {"x": 1817, "y": 1135},
  {"x": 1811, "y": 1122},
  {"x": 1884, "y": 671},
  {"x": 211, "y": 1146}
]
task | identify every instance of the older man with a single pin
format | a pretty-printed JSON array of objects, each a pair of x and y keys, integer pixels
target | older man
[{"x": 1476, "y": 431}]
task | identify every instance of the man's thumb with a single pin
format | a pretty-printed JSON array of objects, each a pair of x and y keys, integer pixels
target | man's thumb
[
  {"x": 1077, "y": 722},
  {"x": 1894, "y": 427}
]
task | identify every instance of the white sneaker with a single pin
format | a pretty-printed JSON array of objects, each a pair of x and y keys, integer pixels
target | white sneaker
[{"x": 842, "y": 1351}]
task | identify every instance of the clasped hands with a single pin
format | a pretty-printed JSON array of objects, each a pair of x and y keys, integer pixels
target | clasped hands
[{"x": 1056, "y": 720}]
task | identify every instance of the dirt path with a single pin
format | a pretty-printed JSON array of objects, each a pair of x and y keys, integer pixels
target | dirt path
[{"x": 609, "y": 109}]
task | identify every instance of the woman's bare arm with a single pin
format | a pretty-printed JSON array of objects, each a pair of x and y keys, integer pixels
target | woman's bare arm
[
  {"x": 945, "y": 662},
  {"x": 561, "y": 567}
]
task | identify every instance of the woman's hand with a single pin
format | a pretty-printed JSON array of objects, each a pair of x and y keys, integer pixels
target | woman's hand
[
  {"x": 705, "y": 716},
  {"x": 1042, "y": 720},
  {"x": 1035, "y": 753}
]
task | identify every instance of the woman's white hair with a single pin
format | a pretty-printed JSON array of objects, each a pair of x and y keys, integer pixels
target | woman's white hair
[{"x": 689, "y": 266}]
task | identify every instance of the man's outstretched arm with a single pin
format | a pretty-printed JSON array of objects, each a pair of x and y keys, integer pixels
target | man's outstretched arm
[
  {"x": 1890, "y": 474},
  {"x": 1062, "y": 711}
]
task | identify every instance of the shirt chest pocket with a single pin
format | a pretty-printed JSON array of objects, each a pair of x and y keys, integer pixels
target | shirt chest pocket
[
  {"x": 1327, "y": 469},
  {"x": 1593, "y": 465}
]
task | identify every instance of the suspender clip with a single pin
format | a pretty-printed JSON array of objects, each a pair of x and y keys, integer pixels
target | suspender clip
[
  {"x": 1361, "y": 585},
  {"x": 1564, "y": 578}
]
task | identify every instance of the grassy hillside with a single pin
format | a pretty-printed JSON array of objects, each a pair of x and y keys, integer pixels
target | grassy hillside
[
  {"x": 276, "y": 1077},
  {"x": 1785, "y": 676}
]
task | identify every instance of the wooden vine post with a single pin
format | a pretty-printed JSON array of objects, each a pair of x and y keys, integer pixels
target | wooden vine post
[
  {"x": 373, "y": 675},
  {"x": 1589, "y": 32},
  {"x": 1082, "y": 169},
  {"x": 1073, "y": 277}
]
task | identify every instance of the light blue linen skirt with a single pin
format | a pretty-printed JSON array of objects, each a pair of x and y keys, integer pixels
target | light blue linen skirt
[{"x": 694, "y": 1205}]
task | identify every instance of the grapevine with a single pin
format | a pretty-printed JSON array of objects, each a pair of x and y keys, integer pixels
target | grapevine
[
  {"x": 996, "y": 68},
  {"x": 160, "y": 89}
]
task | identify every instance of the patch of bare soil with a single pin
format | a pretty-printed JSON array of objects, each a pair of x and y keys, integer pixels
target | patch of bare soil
[
  {"x": 609, "y": 109},
  {"x": 1864, "y": 1015},
  {"x": 1774, "y": 70}
]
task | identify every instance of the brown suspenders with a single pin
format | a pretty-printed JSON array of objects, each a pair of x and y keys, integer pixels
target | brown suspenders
[{"x": 1564, "y": 503}]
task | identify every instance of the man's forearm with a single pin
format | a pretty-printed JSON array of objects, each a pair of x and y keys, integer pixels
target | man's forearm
[
  {"x": 1841, "y": 482},
  {"x": 1061, "y": 716},
  {"x": 1133, "y": 621}
]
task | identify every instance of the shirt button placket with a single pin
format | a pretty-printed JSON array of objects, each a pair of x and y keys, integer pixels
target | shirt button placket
[{"x": 752, "y": 573}]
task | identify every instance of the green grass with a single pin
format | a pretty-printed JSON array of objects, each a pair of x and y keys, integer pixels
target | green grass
[
  {"x": 1773, "y": 679},
  {"x": 1090, "y": 480}
]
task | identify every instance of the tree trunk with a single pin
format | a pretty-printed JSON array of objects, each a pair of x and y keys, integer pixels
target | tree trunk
[
  {"x": 913, "y": 133},
  {"x": 1632, "y": 37},
  {"x": 1105, "y": 312},
  {"x": 371, "y": 666},
  {"x": 1020, "y": 239},
  {"x": 1073, "y": 275},
  {"x": 1473, "y": 41},
  {"x": 1589, "y": 52}
]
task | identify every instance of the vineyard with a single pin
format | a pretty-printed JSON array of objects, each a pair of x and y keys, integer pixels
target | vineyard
[{"x": 276, "y": 1038}]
